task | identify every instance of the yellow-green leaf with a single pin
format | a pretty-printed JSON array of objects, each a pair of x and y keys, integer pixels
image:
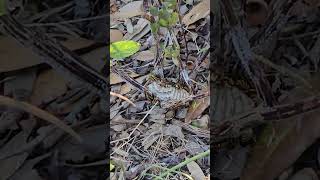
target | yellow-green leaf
[
  {"x": 163, "y": 23},
  {"x": 111, "y": 166},
  {"x": 2, "y": 7},
  {"x": 123, "y": 49}
]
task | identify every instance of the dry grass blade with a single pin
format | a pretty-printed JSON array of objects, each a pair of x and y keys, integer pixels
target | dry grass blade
[
  {"x": 122, "y": 97},
  {"x": 39, "y": 113}
]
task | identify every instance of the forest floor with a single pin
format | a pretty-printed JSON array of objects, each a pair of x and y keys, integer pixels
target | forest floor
[{"x": 155, "y": 135}]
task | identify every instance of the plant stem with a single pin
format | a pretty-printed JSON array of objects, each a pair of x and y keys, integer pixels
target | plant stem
[{"x": 187, "y": 161}]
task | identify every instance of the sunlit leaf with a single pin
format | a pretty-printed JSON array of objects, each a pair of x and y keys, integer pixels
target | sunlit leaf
[
  {"x": 111, "y": 166},
  {"x": 123, "y": 49}
]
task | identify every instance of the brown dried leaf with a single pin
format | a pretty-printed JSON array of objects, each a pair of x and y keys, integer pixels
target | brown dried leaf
[
  {"x": 92, "y": 145},
  {"x": 10, "y": 165},
  {"x": 115, "y": 35},
  {"x": 115, "y": 79},
  {"x": 140, "y": 29},
  {"x": 14, "y": 56},
  {"x": 195, "y": 170},
  {"x": 27, "y": 171},
  {"x": 127, "y": 87},
  {"x": 77, "y": 43},
  {"x": 48, "y": 85},
  {"x": 129, "y": 10},
  {"x": 196, "y": 108},
  {"x": 199, "y": 11},
  {"x": 145, "y": 55},
  {"x": 174, "y": 131}
]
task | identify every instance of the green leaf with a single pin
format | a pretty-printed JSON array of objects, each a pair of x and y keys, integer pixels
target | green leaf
[
  {"x": 163, "y": 23},
  {"x": 164, "y": 13},
  {"x": 195, "y": 124},
  {"x": 123, "y": 49},
  {"x": 2, "y": 7},
  {"x": 170, "y": 4},
  {"x": 155, "y": 28},
  {"x": 173, "y": 19},
  {"x": 154, "y": 11}
]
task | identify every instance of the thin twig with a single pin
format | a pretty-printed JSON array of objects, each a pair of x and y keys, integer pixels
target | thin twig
[{"x": 122, "y": 97}]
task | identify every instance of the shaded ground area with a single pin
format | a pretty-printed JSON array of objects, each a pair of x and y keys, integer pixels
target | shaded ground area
[
  {"x": 33, "y": 143},
  {"x": 266, "y": 55}
]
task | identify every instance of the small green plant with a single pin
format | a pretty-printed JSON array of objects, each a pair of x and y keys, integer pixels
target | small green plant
[
  {"x": 123, "y": 49},
  {"x": 166, "y": 16}
]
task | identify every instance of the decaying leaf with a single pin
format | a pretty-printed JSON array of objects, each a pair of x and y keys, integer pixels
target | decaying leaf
[
  {"x": 199, "y": 11},
  {"x": 27, "y": 171},
  {"x": 145, "y": 55},
  {"x": 115, "y": 79},
  {"x": 129, "y": 10},
  {"x": 9, "y": 165},
  {"x": 174, "y": 131},
  {"x": 195, "y": 171},
  {"x": 14, "y": 56},
  {"x": 125, "y": 88},
  {"x": 115, "y": 35},
  {"x": 196, "y": 108},
  {"x": 140, "y": 29},
  {"x": 48, "y": 85},
  {"x": 91, "y": 146}
]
